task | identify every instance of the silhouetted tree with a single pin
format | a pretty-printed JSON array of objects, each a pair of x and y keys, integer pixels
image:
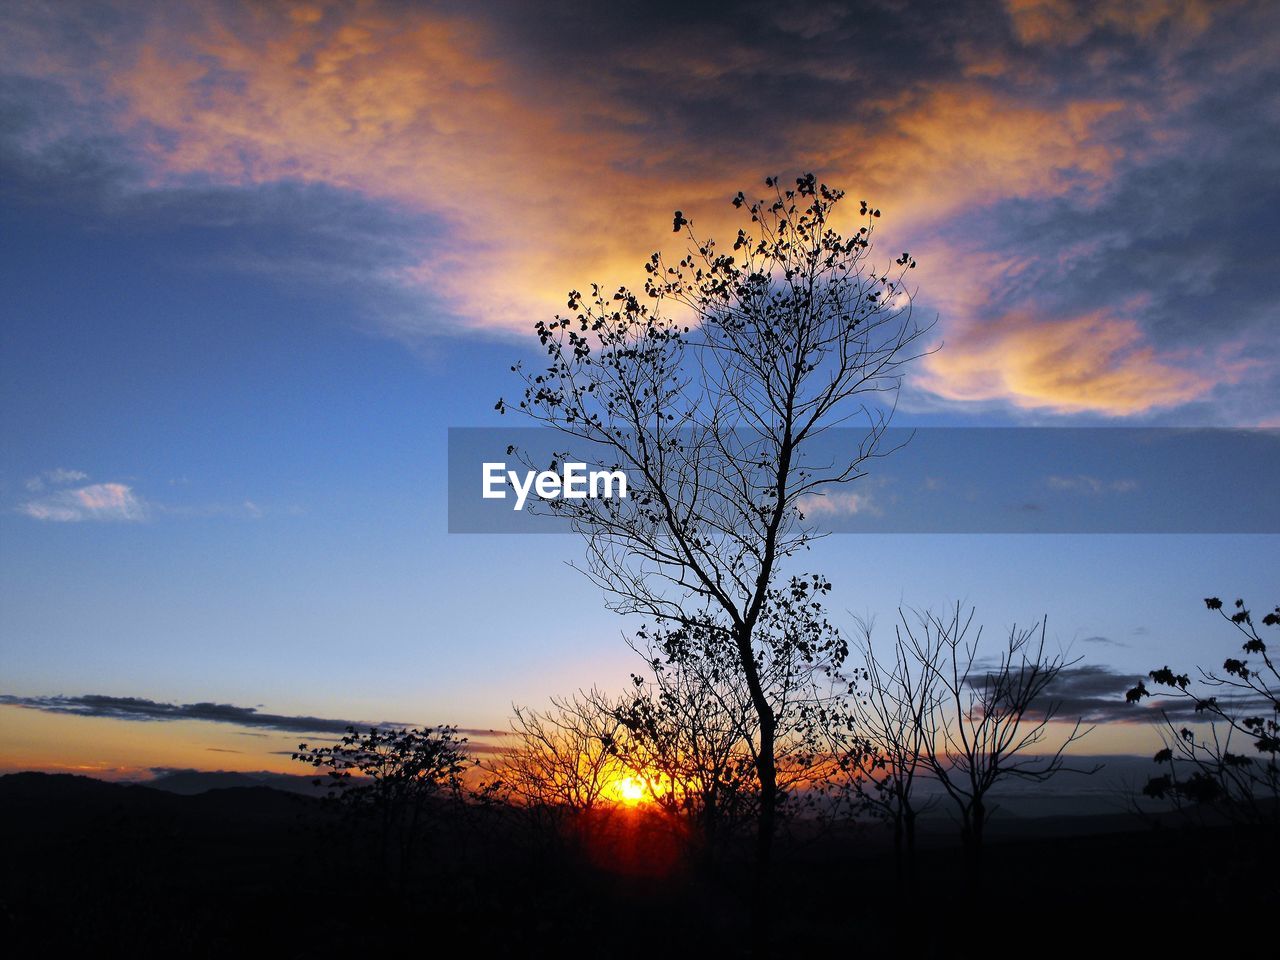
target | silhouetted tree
[
  {"x": 710, "y": 389},
  {"x": 563, "y": 758},
  {"x": 694, "y": 730},
  {"x": 892, "y": 715},
  {"x": 1230, "y": 762},
  {"x": 395, "y": 781},
  {"x": 990, "y": 714},
  {"x": 690, "y": 727}
]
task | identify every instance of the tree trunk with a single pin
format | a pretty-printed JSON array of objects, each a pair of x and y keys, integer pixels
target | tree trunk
[
  {"x": 909, "y": 829},
  {"x": 761, "y": 901},
  {"x": 768, "y": 789},
  {"x": 898, "y": 858},
  {"x": 977, "y": 820},
  {"x": 766, "y": 769}
]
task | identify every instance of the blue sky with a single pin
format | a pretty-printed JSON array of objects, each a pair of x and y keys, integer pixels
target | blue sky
[{"x": 235, "y": 331}]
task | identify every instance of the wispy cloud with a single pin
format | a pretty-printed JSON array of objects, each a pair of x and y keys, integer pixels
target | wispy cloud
[
  {"x": 845, "y": 503},
  {"x": 1104, "y": 641},
  {"x": 58, "y": 477},
  {"x": 1083, "y": 483},
  {"x": 64, "y": 498},
  {"x": 96, "y": 501},
  {"x": 144, "y": 710},
  {"x": 246, "y": 510}
]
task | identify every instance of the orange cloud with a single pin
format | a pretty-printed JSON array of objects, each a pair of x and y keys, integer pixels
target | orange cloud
[
  {"x": 954, "y": 146},
  {"x": 543, "y": 180},
  {"x": 401, "y": 106},
  {"x": 538, "y": 196},
  {"x": 1095, "y": 363},
  {"x": 116, "y": 749}
]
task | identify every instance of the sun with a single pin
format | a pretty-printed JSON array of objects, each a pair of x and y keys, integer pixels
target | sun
[{"x": 630, "y": 790}]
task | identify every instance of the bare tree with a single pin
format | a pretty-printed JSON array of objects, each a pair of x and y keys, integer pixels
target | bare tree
[
  {"x": 711, "y": 396},
  {"x": 563, "y": 758},
  {"x": 1210, "y": 767},
  {"x": 993, "y": 716},
  {"x": 690, "y": 727},
  {"x": 892, "y": 714}
]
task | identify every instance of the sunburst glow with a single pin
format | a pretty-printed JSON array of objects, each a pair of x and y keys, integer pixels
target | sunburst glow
[{"x": 630, "y": 790}]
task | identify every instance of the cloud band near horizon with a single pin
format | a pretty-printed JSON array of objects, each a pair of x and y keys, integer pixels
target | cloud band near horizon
[{"x": 140, "y": 709}]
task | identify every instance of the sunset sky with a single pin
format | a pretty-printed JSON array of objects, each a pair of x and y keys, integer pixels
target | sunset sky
[{"x": 258, "y": 258}]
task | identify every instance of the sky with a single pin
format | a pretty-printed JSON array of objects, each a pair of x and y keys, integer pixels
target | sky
[{"x": 258, "y": 259}]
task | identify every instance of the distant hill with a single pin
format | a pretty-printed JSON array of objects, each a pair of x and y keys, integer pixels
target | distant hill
[
  {"x": 191, "y": 782},
  {"x": 41, "y": 791},
  {"x": 42, "y": 803}
]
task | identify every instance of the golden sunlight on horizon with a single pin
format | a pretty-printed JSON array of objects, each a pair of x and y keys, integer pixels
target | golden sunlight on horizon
[{"x": 114, "y": 749}]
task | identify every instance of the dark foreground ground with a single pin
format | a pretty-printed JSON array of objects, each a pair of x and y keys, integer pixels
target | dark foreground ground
[{"x": 103, "y": 869}]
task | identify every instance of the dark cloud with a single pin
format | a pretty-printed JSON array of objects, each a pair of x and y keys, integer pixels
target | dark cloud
[
  {"x": 1095, "y": 693},
  {"x": 705, "y": 75},
  {"x": 143, "y": 710},
  {"x": 1104, "y": 641}
]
